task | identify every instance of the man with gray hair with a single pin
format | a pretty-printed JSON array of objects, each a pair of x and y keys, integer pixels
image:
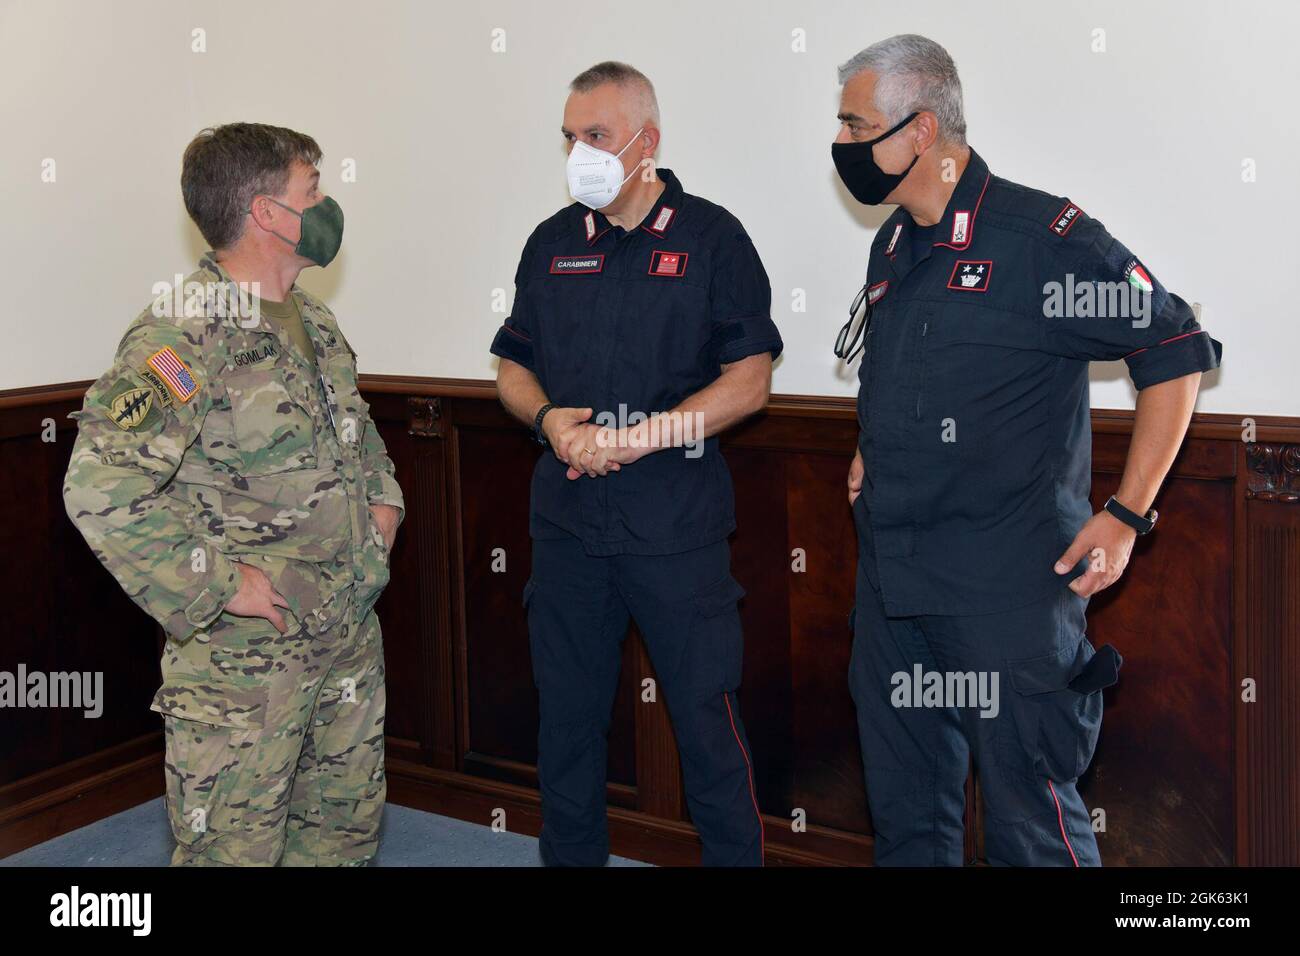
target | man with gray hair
[
  {"x": 641, "y": 328},
  {"x": 978, "y": 547}
]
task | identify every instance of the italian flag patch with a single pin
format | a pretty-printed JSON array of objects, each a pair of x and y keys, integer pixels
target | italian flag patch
[{"x": 1138, "y": 277}]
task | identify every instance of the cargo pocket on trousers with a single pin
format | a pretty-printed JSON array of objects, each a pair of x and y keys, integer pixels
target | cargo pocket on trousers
[
  {"x": 351, "y": 814},
  {"x": 211, "y": 722},
  {"x": 1052, "y": 728},
  {"x": 218, "y": 703},
  {"x": 718, "y": 639}
]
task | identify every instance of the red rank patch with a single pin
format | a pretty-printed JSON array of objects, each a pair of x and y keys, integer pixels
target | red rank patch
[{"x": 667, "y": 263}]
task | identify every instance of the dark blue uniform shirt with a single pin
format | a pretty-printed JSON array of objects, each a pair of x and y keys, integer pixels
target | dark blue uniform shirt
[
  {"x": 641, "y": 319},
  {"x": 973, "y": 408}
]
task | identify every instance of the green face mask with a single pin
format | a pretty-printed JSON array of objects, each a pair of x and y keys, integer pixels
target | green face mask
[{"x": 322, "y": 230}]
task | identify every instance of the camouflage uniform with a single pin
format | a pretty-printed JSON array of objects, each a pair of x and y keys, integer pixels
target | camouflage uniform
[{"x": 208, "y": 443}]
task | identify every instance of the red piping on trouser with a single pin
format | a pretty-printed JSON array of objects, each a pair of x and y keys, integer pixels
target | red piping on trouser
[
  {"x": 1061, "y": 820},
  {"x": 762, "y": 837}
]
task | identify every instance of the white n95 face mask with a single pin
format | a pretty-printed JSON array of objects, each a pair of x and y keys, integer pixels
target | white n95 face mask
[{"x": 596, "y": 175}]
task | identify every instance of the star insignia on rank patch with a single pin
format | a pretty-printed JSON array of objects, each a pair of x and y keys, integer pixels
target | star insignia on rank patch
[{"x": 971, "y": 275}]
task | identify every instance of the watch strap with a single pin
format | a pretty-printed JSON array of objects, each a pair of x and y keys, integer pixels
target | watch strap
[
  {"x": 1142, "y": 524},
  {"x": 538, "y": 436}
]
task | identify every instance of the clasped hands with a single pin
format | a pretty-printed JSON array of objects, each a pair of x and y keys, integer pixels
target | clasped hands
[{"x": 588, "y": 449}]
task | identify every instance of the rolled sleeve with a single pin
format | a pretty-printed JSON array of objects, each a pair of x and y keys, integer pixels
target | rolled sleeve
[
  {"x": 1190, "y": 349},
  {"x": 514, "y": 344},
  {"x": 1129, "y": 316},
  {"x": 740, "y": 298}
]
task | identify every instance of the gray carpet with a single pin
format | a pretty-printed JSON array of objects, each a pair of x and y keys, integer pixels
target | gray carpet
[{"x": 140, "y": 837}]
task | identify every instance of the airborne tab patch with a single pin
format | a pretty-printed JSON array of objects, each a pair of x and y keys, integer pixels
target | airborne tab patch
[{"x": 163, "y": 396}]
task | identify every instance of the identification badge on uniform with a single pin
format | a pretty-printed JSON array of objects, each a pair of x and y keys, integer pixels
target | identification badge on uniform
[
  {"x": 256, "y": 355},
  {"x": 1065, "y": 219},
  {"x": 877, "y": 292},
  {"x": 971, "y": 275},
  {"x": 667, "y": 263},
  {"x": 577, "y": 265},
  {"x": 174, "y": 373}
]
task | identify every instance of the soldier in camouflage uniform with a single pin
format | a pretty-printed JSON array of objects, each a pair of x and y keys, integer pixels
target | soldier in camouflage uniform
[{"x": 236, "y": 487}]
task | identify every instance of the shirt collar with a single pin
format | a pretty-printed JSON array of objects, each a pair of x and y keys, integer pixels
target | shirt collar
[
  {"x": 661, "y": 218},
  {"x": 306, "y": 311},
  {"x": 955, "y": 228}
]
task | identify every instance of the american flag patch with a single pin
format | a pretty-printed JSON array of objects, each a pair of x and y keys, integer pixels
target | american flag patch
[{"x": 175, "y": 373}]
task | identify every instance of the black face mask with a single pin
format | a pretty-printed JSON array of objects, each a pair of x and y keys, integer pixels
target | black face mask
[{"x": 857, "y": 167}]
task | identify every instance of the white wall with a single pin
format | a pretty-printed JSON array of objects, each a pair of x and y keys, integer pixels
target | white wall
[{"x": 458, "y": 155}]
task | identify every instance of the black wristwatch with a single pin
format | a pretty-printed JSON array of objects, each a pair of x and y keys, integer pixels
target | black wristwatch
[
  {"x": 537, "y": 424},
  {"x": 1140, "y": 524}
]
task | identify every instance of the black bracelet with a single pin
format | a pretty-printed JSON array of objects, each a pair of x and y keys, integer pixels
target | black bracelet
[
  {"x": 1140, "y": 524},
  {"x": 537, "y": 424}
]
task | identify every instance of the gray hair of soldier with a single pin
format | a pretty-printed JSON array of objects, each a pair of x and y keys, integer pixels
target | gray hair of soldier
[
  {"x": 643, "y": 105},
  {"x": 913, "y": 73}
]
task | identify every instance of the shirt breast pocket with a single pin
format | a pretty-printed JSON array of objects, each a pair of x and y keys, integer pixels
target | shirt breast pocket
[
  {"x": 669, "y": 329},
  {"x": 981, "y": 367},
  {"x": 567, "y": 321},
  {"x": 272, "y": 426}
]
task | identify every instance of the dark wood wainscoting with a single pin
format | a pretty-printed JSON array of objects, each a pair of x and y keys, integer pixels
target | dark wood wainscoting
[{"x": 1186, "y": 772}]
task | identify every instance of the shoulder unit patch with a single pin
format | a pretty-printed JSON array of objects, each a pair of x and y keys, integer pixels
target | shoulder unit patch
[
  {"x": 1065, "y": 219},
  {"x": 129, "y": 409}
]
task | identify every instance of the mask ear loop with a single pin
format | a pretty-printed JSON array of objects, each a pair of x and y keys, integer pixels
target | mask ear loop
[
  {"x": 888, "y": 133},
  {"x": 619, "y": 155},
  {"x": 891, "y": 132},
  {"x": 249, "y": 212}
]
